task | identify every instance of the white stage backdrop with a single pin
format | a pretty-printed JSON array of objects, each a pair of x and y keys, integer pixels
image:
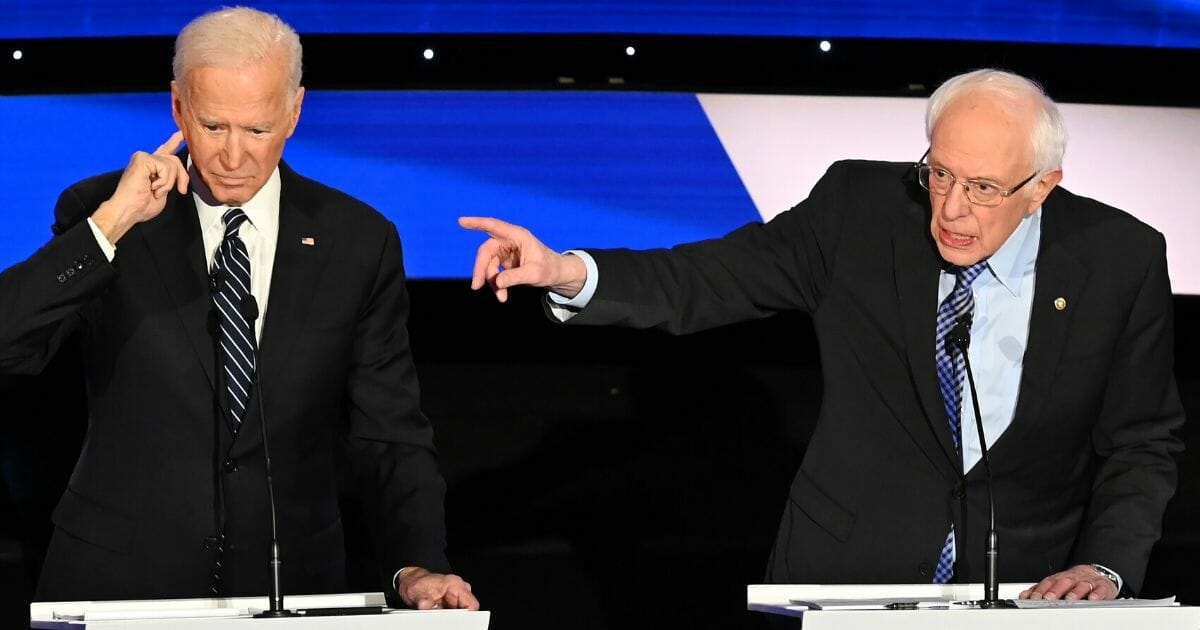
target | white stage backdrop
[{"x": 1143, "y": 160}]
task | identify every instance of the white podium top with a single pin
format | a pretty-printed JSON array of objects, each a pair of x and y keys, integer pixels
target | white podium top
[
  {"x": 237, "y": 612},
  {"x": 863, "y": 606}
]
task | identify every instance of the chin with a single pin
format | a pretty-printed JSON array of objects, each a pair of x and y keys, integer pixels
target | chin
[
  {"x": 230, "y": 198},
  {"x": 959, "y": 257}
]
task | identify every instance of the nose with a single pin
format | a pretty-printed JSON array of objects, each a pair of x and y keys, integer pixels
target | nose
[
  {"x": 955, "y": 203},
  {"x": 233, "y": 152}
]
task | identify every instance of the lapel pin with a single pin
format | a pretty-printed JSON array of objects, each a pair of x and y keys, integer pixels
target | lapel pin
[
  {"x": 310, "y": 241},
  {"x": 1060, "y": 304}
]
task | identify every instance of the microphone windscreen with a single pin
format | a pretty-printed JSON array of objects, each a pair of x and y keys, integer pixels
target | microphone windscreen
[{"x": 250, "y": 308}]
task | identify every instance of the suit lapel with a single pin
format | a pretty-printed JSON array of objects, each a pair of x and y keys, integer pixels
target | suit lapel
[
  {"x": 301, "y": 253},
  {"x": 1059, "y": 275},
  {"x": 917, "y": 266},
  {"x": 177, "y": 248}
]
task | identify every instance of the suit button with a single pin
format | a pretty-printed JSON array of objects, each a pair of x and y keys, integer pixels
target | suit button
[
  {"x": 959, "y": 491},
  {"x": 230, "y": 465},
  {"x": 70, "y": 271},
  {"x": 61, "y": 278},
  {"x": 87, "y": 259},
  {"x": 78, "y": 265},
  {"x": 924, "y": 569}
]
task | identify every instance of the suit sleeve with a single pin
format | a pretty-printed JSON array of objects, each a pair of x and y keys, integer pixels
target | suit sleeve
[
  {"x": 1136, "y": 436},
  {"x": 753, "y": 272},
  {"x": 44, "y": 298},
  {"x": 390, "y": 441}
]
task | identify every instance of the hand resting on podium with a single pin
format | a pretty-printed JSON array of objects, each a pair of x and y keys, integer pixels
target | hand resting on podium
[
  {"x": 425, "y": 590},
  {"x": 1081, "y": 581}
]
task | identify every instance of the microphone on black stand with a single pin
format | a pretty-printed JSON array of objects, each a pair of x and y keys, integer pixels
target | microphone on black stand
[
  {"x": 249, "y": 308},
  {"x": 960, "y": 338},
  {"x": 216, "y": 542}
]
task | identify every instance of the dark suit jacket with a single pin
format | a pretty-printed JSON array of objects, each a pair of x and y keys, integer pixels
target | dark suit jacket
[
  {"x": 1085, "y": 469},
  {"x": 159, "y": 475}
]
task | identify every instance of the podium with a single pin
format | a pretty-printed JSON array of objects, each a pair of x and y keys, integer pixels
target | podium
[
  {"x": 236, "y": 613},
  {"x": 855, "y": 607}
]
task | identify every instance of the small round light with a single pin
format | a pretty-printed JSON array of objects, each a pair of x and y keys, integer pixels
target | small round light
[
  {"x": 427, "y": 54},
  {"x": 825, "y": 45},
  {"x": 17, "y": 54},
  {"x": 630, "y": 51}
]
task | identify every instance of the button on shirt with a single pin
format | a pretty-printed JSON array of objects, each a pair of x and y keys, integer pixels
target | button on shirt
[{"x": 999, "y": 332}]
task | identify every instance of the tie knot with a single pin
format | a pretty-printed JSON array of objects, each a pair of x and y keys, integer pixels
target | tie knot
[
  {"x": 967, "y": 275},
  {"x": 234, "y": 218}
]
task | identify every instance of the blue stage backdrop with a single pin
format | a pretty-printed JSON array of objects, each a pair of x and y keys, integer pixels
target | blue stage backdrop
[
  {"x": 1170, "y": 23},
  {"x": 597, "y": 169}
]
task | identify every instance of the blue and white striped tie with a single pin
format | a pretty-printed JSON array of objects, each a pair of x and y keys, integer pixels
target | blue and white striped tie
[
  {"x": 951, "y": 370},
  {"x": 237, "y": 337}
]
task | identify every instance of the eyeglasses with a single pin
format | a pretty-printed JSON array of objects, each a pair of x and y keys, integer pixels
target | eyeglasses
[{"x": 980, "y": 192}]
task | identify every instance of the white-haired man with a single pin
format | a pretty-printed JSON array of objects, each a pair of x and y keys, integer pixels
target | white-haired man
[
  {"x": 208, "y": 286},
  {"x": 1069, "y": 307}
]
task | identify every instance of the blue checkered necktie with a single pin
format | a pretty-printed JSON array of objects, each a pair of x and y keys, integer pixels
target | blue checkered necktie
[
  {"x": 951, "y": 370},
  {"x": 237, "y": 337}
]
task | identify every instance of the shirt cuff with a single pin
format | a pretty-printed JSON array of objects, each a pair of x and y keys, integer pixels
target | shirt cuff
[
  {"x": 564, "y": 308},
  {"x": 110, "y": 250},
  {"x": 1110, "y": 574}
]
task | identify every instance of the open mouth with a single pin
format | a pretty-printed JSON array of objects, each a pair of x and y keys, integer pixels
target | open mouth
[{"x": 954, "y": 239}]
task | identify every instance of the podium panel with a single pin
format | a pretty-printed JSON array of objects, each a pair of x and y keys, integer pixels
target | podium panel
[
  {"x": 940, "y": 607},
  {"x": 237, "y": 613}
]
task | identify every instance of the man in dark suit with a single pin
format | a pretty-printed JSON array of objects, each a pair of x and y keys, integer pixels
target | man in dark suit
[
  {"x": 170, "y": 273},
  {"x": 1078, "y": 398}
]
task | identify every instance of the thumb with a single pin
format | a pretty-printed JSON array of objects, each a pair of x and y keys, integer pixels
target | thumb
[
  {"x": 533, "y": 275},
  {"x": 515, "y": 276}
]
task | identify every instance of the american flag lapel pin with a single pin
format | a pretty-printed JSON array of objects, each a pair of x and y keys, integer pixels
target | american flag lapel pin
[{"x": 308, "y": 240}]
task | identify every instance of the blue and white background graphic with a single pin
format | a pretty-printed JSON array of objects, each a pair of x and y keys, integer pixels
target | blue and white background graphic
[
  {"x": 586, "y": 168},
  {"x": 604, "y": 168}
]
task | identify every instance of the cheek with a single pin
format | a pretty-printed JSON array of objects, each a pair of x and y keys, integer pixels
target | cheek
[
  {"x": 200, "y": 150},
  {"x": 997, "y": 227}
]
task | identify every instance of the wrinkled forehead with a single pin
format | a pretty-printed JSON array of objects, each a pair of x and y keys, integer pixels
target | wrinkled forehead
[{"x": 980, "y": 135}]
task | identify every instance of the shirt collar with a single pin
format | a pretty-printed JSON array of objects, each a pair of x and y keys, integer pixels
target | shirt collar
[
  {"x": 1018, "y": 254},
  {"x": 264, "y": 204}
]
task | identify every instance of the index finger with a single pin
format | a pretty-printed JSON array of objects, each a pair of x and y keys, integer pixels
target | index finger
[
  {"x": 494, "y": 227},
  {"x": 171, "y": 145}
]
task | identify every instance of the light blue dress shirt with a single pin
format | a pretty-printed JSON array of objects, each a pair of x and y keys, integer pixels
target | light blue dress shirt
[{"x": 999, "y": 332}]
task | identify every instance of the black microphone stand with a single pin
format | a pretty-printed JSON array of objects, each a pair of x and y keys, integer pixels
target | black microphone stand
[
  {"x": 216, "y": 542},
  {"x": 960, "y": 337},
  {"x": 276, "y": 609}
]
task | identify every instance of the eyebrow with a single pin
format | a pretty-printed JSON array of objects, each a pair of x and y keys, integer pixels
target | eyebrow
[{"x": 991, "y": 180}]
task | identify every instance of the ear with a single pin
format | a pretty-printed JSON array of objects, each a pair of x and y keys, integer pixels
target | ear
[
  {"x": 297, "y": 103},
  {"x": 1042, "y": 188},
  {"x": 177, "y": 106}
]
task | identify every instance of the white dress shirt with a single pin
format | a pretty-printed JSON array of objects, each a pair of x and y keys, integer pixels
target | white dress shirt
[{"x": 260, "y": 233}]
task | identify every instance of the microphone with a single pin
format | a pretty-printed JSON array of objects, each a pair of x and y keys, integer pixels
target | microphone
[
  {"x": 216, "y": 278},
  {"x": 959, "y": 337},
  {"x": 216, "y": 542},
  {"x": 249, "y": 310}
]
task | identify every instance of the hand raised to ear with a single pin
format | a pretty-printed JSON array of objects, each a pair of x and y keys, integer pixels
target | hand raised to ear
[{"x": 142, "y": 192}]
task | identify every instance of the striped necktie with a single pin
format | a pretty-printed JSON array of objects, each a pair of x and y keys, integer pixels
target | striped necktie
[
  {"x": 951, "y": 370},
  {"x": 237, "y": 337}
]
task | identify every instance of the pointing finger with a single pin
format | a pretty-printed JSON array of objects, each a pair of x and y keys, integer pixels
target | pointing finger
[
  {"x": 171, "y": 145},
  {"x": 493, "y": 227}
]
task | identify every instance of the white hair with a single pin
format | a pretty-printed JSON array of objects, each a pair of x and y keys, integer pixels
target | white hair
[
  {"x": 1049, "y": 136},
  {"x": 235, "y": 36}
]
